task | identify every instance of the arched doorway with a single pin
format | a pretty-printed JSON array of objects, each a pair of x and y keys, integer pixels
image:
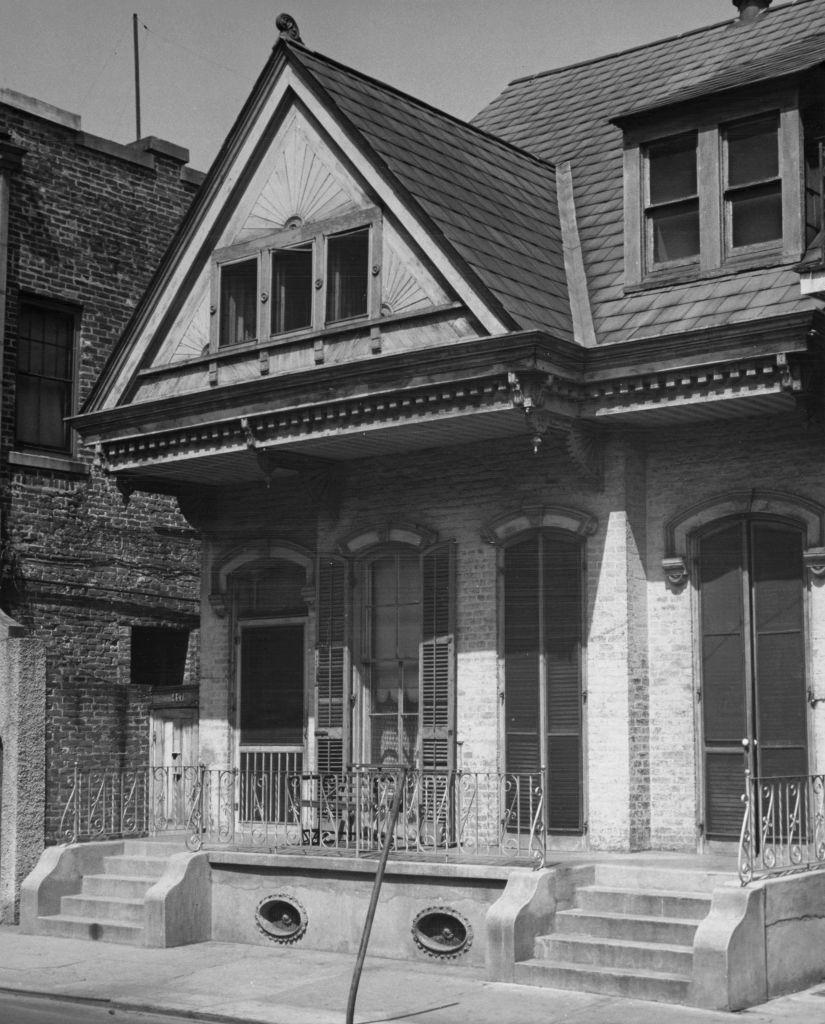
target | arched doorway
[{"x": 752, "y": 648}]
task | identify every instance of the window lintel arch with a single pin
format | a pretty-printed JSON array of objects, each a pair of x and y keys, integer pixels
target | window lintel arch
[
  {"x": 246, "y": 556},
  {"x": 364, "y": 542},
  {"x": 697, "y": 519},
  {"x": 501, "y": 530}
]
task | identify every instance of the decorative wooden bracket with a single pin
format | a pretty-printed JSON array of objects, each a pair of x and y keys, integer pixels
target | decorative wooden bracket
[{"x": 529, "y": 392}]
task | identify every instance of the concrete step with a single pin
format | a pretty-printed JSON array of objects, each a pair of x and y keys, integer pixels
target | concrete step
[
  {"x": 631, "y": 927},
  {"x": 126, "y": 886},
  {"x": 154, "y": 847},
  {"x": 64, "y": 926},
  {"x": 139, "y": 867},
  {"x": 104, "y": 909},
  {"x": 644, "y": 956},
  {"x": 646, "y": 876},
  {"x": 657, "y": 986},
  {"x": 648, "y": 903}
]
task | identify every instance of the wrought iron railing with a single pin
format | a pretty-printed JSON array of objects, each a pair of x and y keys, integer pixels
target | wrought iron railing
[
  {"x": 456, "y": 814},
  {"x": 452, "y": 815},
  {"x": 783, "y": 826}
]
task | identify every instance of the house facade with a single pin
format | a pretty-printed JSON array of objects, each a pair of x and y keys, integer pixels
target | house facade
[
  {"x": 504, "y": 440},
  {"x": 504, "y": 444},
  {"x": 99, "y": 600}
]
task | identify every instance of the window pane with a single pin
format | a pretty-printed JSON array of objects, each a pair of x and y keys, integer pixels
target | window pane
[
  {"x": 291, "y": 289},
  {"x": 675, "y": 232},
  {"x": 347, "y": 259},
  {"x": 44, "y": 386},
  {"x": 753, "y": 153},
  {"x": 756, "y": 215},
  {"x": 239, "y": 302},
  {"x": 672, "y": 168}
]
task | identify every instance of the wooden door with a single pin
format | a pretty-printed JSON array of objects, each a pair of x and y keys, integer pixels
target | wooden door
[
  {"x": 173, "y": 757},
  {"x": 753, "y": 663}
]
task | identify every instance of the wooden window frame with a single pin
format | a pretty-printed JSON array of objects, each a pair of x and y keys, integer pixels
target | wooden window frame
[
  {"x": 73, "y": 313},
  {"x": 716, "y": 257},
  {"x": 317, "y": 234}
]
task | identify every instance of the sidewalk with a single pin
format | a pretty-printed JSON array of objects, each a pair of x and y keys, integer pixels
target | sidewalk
[{"x": 286, "y": 985}]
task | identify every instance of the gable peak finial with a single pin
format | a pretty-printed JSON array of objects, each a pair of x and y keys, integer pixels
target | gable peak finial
[{"x": 288, "y": 27}]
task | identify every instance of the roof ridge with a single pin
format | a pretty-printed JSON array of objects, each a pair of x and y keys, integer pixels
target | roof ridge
[
  {"x": 301, "y": 47},
  {"x": 645, "y": 46}
]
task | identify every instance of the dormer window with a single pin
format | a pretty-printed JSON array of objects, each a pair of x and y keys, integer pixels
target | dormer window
[
  {"x": 753, "y": 184},
  {"x": 301, "y": 279},
  {"x": 672, "y": 208},
  {"x": 721, "y": 196}
]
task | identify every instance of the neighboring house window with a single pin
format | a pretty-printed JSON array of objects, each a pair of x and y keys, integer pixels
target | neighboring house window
[
  {"x": 45, "y": 372},
  {"x": 723, "y": 196},
  {"x": 158, "y": 656},
  {"x": 310, "y": 275}
]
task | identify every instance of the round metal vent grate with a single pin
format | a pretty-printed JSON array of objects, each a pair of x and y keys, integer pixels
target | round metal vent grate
[
  {"x": 442, "y": 932},
  {"x": 281, "y": 917}
]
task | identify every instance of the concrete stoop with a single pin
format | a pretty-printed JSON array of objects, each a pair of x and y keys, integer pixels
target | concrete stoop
[
  {"x": 629, "y": 933},
  {"x": 133, "y": 892}
]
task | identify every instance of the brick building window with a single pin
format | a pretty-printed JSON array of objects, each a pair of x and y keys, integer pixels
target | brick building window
[
  {"x": 45, "y": 375},
  {"x": 158, "y": 656}
]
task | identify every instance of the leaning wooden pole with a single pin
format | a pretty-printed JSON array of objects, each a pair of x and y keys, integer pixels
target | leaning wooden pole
[{"x": 400, "y": 781}]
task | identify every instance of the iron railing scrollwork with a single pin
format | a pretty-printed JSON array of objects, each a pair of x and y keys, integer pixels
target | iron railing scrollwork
[{"x": 783, "y": 826}]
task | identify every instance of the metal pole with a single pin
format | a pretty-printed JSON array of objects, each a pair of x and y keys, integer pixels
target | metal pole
[
  {"x": 400, "y": 781},
  {"x": 137, "y": 75}
]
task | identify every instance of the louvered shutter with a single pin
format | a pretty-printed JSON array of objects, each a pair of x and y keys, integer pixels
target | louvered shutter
[
  {"x": 437, "y": 664},
  {"x": 332, "y": 665}
]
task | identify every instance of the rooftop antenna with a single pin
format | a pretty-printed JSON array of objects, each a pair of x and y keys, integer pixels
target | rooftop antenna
[{"x": 137, "y": 76}]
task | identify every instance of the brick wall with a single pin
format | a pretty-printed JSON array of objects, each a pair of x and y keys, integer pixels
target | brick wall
[
  {"x": 642, "y": 774},
  {"x": 88, "y": 223}
]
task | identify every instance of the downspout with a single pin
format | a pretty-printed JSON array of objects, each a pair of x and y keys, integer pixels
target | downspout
[{"x": 11, "y": 158}]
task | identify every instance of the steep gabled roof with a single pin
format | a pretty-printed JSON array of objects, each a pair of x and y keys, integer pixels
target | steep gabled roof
[
  {"x": 493, "y": 203},
  {"x": 566, "y": 114}
]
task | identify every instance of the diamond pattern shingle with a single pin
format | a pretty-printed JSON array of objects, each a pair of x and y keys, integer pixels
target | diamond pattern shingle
[
  {"x": 494, "y": 204},
  {"x": 565, "y": 114}
]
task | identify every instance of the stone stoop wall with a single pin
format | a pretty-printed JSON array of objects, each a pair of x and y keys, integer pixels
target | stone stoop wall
[
  {"x": 334, "y": 900},
  {"x": 89, "y": 221}
]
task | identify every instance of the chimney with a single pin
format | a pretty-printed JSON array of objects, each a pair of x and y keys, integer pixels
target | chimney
[{"x": 750, "y": 9}]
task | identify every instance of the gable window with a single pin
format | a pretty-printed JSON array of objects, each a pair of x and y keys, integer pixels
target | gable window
[
  {"x": 723, "y": 195},
  {"x": 239, "y": 302},
  {"x": 347, "y": 257},
  {"x": 45, "y": 372},
  {"x": 292, "y": 288},
  {"x": 309, "y": 275}
]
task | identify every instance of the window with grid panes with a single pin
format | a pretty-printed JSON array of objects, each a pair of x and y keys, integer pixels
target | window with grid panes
[{"x": 45, "y": 370}]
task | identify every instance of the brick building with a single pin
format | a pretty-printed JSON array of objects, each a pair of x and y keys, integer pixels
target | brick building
[
  {"x": 504, "y": 441},
  {"x": 106, "y": 593}
]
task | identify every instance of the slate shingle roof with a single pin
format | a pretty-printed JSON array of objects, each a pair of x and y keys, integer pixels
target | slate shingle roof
[
  {"x": 495, "y": 204},
  {"x": 565, "y": 114}
]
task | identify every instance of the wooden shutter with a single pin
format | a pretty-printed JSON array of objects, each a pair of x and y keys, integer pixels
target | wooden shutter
[
  {"x": 437, "y": 663},
  {"x": 332, "y": 666},
  {"x": 521, "y": 657}
]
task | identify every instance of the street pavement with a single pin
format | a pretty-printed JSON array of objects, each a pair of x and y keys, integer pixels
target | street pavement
[{"x": 291, "y": 985}]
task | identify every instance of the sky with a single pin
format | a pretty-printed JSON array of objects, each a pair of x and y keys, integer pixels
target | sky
[{"x": 200, "y": 58}]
